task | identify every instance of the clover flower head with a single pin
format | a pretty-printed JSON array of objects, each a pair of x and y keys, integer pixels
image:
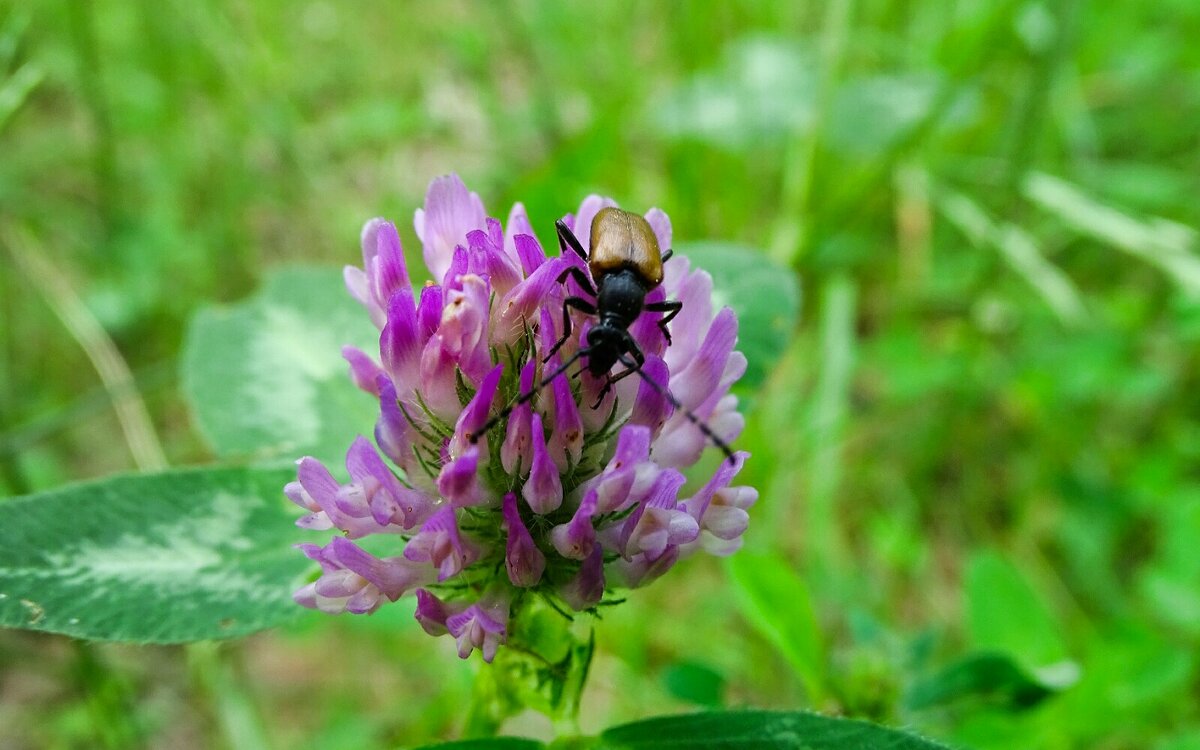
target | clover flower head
[{"x": 577, "y": 492}]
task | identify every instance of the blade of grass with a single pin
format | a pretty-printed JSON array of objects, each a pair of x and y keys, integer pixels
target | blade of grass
[
  {"x": 16, "y": 89},
  {"x": 1164, "y": 244},
  {"x": 109, "y": 698},
  {"x": 1020, "y": 251},
  {"x": 214, "y": 668},
  {"x": 790, "y": 239},
  {"x": 1034, "y": 103},
  {"x": 83, "y": 326},
  {"x": 828, "y": 416}
]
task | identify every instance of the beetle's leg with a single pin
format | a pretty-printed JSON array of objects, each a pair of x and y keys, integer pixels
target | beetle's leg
[
  {"x": 671, "y": 308},
  {"x": 580, "y": 277},
  {"x": 608, "y": 384},
  {"x": 527, "y": 396},
  {"x": 679, "y": 407},
  {"x": 631, "y": 347},
  {"x": 580, "y": 304},
  {"x": 667, "y": 255},
  {"x": 603, "y": 392},
  {"x": 567, "y": 238}
]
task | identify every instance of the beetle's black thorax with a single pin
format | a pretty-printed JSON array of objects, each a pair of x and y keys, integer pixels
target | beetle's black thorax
[
  {"x": 619, "y": 301},
  {"x": 620, "y": 298}
]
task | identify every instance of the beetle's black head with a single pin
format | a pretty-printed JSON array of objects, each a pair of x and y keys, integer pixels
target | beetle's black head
[{"x": 606, "y": 343}]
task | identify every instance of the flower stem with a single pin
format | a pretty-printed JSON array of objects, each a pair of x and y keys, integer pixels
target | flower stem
[{"x": 543, "y": 666}]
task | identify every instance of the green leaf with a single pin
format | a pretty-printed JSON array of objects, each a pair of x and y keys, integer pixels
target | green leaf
[
  {"x": 266, "y": 378},
  {"x": 164, "y": 558},
  {"x": 1170, "y": 583},
  {"x": 764, "y": 294},
  {"x": 776, "y": 602},
  {"x": 759, "y": 730},
  {"x": 993, "y": 678},
  {"x": 695, "y": 683},
  {"x": 1006, "y": 614},
  {"x": 494, "y": 743}
]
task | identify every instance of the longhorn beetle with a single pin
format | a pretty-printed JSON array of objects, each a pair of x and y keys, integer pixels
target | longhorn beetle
[{"x": 627, "y": 264}]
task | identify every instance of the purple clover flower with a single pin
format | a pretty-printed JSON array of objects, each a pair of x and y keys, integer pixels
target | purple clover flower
[{"x": 569, "y": 498}]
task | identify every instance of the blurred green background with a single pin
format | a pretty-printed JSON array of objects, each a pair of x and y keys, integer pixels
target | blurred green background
[{"x": 979, "y": 456}]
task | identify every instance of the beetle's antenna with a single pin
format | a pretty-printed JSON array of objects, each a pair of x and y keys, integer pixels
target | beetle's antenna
[
  {"x": 525, "y": 397},
  {"x": 691, "y": 415}
]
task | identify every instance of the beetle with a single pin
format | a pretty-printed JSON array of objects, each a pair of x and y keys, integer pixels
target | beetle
[{"x": 627, "y": 264}]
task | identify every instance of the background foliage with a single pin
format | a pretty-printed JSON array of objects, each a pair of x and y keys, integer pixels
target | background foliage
[{"x": 977, "y": 454}]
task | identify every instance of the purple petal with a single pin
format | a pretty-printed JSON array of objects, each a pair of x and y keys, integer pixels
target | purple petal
[
  {"x": 518, "y": 224},
  {"x": 295, "y": 492},
  {"x": 660, "y": 523},
  {"x": 583, "y": 220},
  {"x": 641, "y": 571},
  {"x": 476, "y": 413},
  {"x": 523, "y": 560},
  {"x": 399, "y": 342},
  {"x": 586, "y": 589},
  {"x": 530, "y": 252},
  {"x": 725, "y": 522},
  {"x": 576, "y": 539},
  {"x": 429, "y": 311},
  {"x": 699, "y": 379},
  {"x": 363, "y": 370},
  {"x": 515, "y": 453},
  {"x": 481, "y": 626},
  {"x": 369, "y": 238},
  {"x": 317, "y": 481},
  {"x": 503, "y": 271},
  {"x": 495, "y": 232},
  {"x": 353, "y": 580},
  {"x": 615, "y": 483},
  {"x": 596, "y": 411},
  {"x": 660, "y": 224},
  {"x": 339, "y": 584},
  {"x": 390, "y": 501},
  {"x": 306, "y": 596},
  {"x": 393, "y": 576},
  {"x": 438, "y": 384},
  {"x": 359, "y": 287},
  {"x": 431, "y": 613},
  {"x": 566, "y": 443},
  {"x": 463, "y": 330},
  {"x": 450, "y": 212},
  {"x": 525, "y": 301},
  {"x": 392, "y": 431},
  {"x": 440, "y": 543},
  {"x": 459, "y": 480},
  {"x": 460, "y": 265},
  {"x": 697, "y": 504},
  {"x": 689, "y": 326},
  {"x": 645, "y": 328},
  {"x": 387, "y": 269},
  {"x": 651, "y": 408},
  {"x": 543, "y": 490}
]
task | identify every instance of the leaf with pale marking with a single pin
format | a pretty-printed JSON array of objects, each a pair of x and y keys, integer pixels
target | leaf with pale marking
[
  {"x": 163, "y": 558},
  {"x": 764, "y": 294},
  {"x": 266, "y": 378},
  {"x": 759, "y": 730}
]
